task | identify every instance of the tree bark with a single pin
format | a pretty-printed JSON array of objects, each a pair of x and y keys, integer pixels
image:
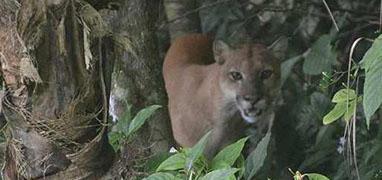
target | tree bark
[
  {"x": 183, "y": 17},
  {"x": 137, "y": 77},
  {"x": 56, "y": 102}
]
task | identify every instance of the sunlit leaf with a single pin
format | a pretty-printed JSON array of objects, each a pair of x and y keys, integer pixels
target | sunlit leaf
[
  {"x": 227, "y": 156},
  {"x": 344, "y": 95},
  {"x": 174, "y": 162},
  {"x": 337, "y": 112},
  {"x": 196, "y": 151},
  {"x": 141, "y": 118}
]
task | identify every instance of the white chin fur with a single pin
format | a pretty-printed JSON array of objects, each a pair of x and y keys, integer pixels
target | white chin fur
[{"x": 248, "y": 119}]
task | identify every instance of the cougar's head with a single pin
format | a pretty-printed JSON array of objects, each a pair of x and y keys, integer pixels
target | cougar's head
[{"x": 249, "y": 76}]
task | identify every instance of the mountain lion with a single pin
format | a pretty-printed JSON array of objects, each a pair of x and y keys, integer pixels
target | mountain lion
[{"x": 215, "y": 86}]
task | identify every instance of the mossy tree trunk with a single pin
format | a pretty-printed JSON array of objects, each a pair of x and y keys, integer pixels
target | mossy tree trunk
[
  {"x": 56, "y": 95},
  {"x": 137, "y": 77}
]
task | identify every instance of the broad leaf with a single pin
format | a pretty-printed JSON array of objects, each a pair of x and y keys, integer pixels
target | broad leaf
[
  {"x": 257, "y": 157},
  {"x": 337, "y": 112},
  {"x": 227, "y": 157},
  {"x": 320, "y": 58},
  {"x": 174, "y": 162},
  {"x": 152, "y": 164},
  {"x": 221, "y": 174},
  {"x": 141, "y": 118},
  {"x": 287, "y": 66},
  {"x": 196, "y": 152},
  {"x": 314, "y": 176},
  {"x": 162, "y": 176},
  {"x": 373, "y": 87},
  {"x": 344, "y": 95}
]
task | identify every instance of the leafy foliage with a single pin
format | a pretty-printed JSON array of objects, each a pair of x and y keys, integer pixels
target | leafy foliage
[
  {"x": 126, "y": 126},
  {"x": 346, "y": 100},
  {"x": 320, "y": 58},
  {"x": 191, "y": 162},
  {"x": 228, "y": 156}
]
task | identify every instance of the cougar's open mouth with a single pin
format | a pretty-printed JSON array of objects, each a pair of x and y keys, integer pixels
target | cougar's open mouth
[{"x": 250, "y": 115}]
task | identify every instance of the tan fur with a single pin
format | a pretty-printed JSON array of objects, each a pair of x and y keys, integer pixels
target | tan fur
[{"x": 202, "y": 94}]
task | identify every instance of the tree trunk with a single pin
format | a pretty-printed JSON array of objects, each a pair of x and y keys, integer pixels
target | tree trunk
[
  {"x": 183, "y": 17},
  {"x": 56, "y": 100},
  {"x": 137, "y": 77}
]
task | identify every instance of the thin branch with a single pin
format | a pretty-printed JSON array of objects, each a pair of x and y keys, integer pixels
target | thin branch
[{"x": 331, "y": 15}]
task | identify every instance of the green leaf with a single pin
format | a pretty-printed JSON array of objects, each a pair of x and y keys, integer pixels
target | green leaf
[
  {"x": 373, "y": 77},
  {"x": 115, "y": 139},
  {"x": 221, "y": 174},
  {"x": 196, "y": 152},
  {"x": 344, "y": 95},
  {"x": 240, "y": 162},
  {"x": 335, "y": 113},
  {"x": 174, "y": 162},
  {"x": 152, "y": 164},
  {"x": 287, "y": 66},
  {"x": 257, "y": 157},
  {"x": 227, "y": 157},
  {"x": 162, "y": 176},
  {"x": 350, "y": 111},
  {"x": 320, "y": 58},
  {"x": 141, "y": 118},
  {"x": 315, "y": 176}
]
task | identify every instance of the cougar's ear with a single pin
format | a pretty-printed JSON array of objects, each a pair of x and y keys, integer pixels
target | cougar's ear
[
  {"x": 279, "y": 47},
  {"x": 219, "y": 47}
]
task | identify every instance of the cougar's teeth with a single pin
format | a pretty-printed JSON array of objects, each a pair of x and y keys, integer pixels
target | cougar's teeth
[{"x": 246, "y": 111}]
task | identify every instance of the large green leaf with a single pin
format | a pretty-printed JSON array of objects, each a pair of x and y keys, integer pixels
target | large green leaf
[
  {"x": 152, "y": 164},
  {"x": 257, "y": 157},
  {"x": 344, "y": 95},
  {"x": 287, "y": 66},
  {"x": 320, "y": 58},
  {"x": 196, "y": 152},
  {"x": 227, "y": 157},
  {"x": 141, "y": 118},
  {"x": 372, "y": 62},
  {"x": 162, "y": 176},
  {"x": 315, "y": 176},
  {"x": 221, "y": 174},
  {"x": 174, "y": 162},
  {"x": 337, "y": 112}
]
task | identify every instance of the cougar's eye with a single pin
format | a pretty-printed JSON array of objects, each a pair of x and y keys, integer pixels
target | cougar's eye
[
  {"x": 266, "y": 74},
  {"x": 236, "y": 76}
]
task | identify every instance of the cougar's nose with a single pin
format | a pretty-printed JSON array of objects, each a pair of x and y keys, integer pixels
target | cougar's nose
[{"x": 248, "y": 98}]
